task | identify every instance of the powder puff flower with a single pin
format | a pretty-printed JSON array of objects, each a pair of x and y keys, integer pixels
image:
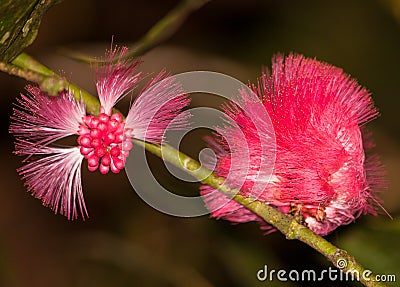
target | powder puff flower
[
  {"x": 39, "y": 121},
  {"x": 321, "y": 172}
]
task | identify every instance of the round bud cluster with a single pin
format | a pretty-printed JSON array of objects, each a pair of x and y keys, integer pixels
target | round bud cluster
[{"x": 101, "y": 142}]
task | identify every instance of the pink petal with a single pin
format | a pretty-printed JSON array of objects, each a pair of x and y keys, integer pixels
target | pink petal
[
  {"x": 56, "y": 180},
  {"x": 115, "y": 78},
  {"x": 41, "y": 119},
  {"x": 159, "y": 104}
]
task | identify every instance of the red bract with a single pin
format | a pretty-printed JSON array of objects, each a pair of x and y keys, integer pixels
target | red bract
[
  {"x": 104, "y": 140},
  {"x": 321, "y": 171}
]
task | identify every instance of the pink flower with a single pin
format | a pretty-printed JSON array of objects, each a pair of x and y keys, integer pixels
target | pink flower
[
  {"x": 39, "y": 121},
  {"x": 321, "y": 171}
]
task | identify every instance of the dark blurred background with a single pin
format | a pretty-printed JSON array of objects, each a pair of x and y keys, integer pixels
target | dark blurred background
[{"x": 127, "y": 243}]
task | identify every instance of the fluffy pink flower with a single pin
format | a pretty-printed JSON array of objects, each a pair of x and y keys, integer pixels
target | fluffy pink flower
[
  {"x": 39, "y": 121},
  {"x": 321, "y": 171}
]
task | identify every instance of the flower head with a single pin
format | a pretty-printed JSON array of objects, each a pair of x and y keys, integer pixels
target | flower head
[
  {"x": 39, "y": 121},
  {"x": 321, "y": 171}
]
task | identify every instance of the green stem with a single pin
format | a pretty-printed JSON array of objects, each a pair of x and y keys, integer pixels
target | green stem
[
  {"x": 26, "y": 67},
  {"x": 17, "y": 71},
  {"x": 159, "y": 33},
  {"x": 25, "y": 61},
  {"x": 166, "y": 27}
]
